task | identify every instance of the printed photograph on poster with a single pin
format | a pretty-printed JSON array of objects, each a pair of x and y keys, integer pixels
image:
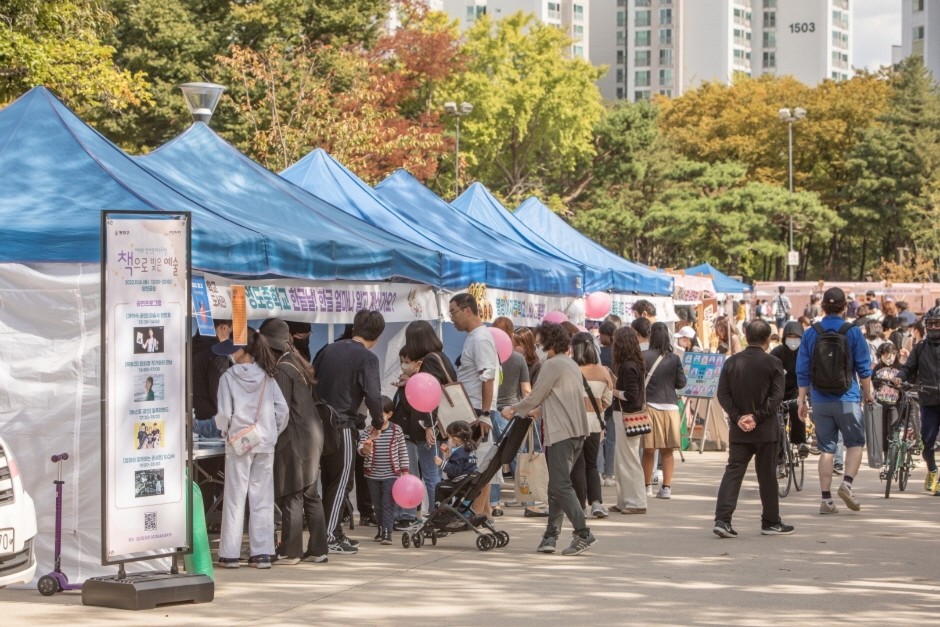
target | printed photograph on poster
[
  {"x": 148, "y": 483},
  {"x": 148, "y": 387},
  {"x": 202, "y": 309},
  {"x": 148, "y": 435},
  {"x": 148, "y": 339}
]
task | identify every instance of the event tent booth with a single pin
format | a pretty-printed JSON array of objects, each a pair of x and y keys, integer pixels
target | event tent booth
[{"x": 724, "y": 284}]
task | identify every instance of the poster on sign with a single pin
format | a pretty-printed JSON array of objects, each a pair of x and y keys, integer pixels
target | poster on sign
[
  {"x": 146, "y": 317},
  {"x": 702, "y": 371}
]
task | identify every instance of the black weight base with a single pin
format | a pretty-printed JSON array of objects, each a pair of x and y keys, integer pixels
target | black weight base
[{"x": 145, "y": 591}]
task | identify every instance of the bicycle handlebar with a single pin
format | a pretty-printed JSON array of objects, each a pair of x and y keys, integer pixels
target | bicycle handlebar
[{"x": 904, "y": 385}]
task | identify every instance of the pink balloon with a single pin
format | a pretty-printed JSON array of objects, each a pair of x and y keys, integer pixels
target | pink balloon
[
  {"x": 423, "y": 391},
  {"x": 581, "y": 328},
  {"x": 597, "y": 305},
  {"x": 555, "y": 316},
  {"x": 408, "y": 491},
  {"x": 503, "y": 343}
]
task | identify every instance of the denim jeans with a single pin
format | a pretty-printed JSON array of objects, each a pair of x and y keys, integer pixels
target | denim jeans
[
  {"x": 608, "y": 448},
  {"x": 410, "y": 514},
  {"x": 382, "y": 502},
  {"x": 421, "y": 464},
  {"x": 500, "y": 424}
]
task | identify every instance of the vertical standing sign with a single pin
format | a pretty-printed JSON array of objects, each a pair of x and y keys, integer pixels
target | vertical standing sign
[{"x": 146, "y": 317}]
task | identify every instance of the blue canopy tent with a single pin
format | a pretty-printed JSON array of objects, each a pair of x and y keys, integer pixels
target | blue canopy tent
[
  {"x": 509, "y": 267},
  {"x": 326, "y": 243},
  {"x": 478, "y": 203},
  {"x": 59, "y": 173},
  {"x": 724, "y": 284},
  {"x": 326, "y": 178},
  {"x": 628, "y": 276}
]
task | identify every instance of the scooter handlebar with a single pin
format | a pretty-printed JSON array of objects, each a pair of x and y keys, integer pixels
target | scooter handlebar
[{"x": 60, "y": 457}]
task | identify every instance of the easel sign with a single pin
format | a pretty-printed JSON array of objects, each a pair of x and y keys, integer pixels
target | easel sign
[{"x": 702, "y": 372}]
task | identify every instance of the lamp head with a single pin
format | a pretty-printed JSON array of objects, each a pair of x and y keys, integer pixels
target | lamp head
[
  {"x": 784, "y": 114},
  {"x": 450, "y": 108},
  {"x": 202, "y": 98},
  {"x": 799, "y": 113},
  {"x": 465, "y": 108}
]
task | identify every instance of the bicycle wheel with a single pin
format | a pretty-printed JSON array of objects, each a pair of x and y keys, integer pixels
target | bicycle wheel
[
  {"x": 784, "y": 482},
  {"x": 798, "y": 468},
  {"x": 904, "y": 472},
  {"x": 893, "y": 454}
]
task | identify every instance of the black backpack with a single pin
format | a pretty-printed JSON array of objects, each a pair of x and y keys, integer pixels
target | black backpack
[{"x": 832, "y": 370}]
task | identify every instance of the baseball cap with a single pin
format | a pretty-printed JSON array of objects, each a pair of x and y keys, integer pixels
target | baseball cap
[
  {"x": 834, "y": 296},
  {"x": 686, "y": 332},
  {"x": 851, "y": 295}
]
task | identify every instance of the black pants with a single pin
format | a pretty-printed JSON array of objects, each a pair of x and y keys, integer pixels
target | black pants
[
  {"x": 363, "y": 494},
  {"x": 739, "y": 456},
  {"x": 335, "y": 475},
  {"x": 797, "y": 426},
  {"x": 295, "y": 509},
  {"x": 587, "y": 483}
]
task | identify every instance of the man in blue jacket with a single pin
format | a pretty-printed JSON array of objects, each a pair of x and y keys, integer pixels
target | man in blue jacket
[{"x": 834, "y": 413}]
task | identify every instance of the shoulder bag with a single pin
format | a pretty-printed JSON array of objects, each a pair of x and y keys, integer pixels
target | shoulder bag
[
  {"x": 248, "y": 438},
  {"x": 638, "y": 423},
  {"x": 455, "y": 404},
  {"x": 594, "y": 403}
]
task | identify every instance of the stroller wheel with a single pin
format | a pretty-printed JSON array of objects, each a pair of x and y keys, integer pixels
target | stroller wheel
[
  {"x": 417, "y": 539},
  {"x": 502, "y": 539},
  {"x": 48, "y": 585},
  {"x": 405, "y": 540},
  {"x": 433, "y": 537},
  {"x": 483, "y": 543}
]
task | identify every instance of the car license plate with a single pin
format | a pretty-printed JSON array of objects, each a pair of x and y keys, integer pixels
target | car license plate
[{"x": 6, "y": 541}]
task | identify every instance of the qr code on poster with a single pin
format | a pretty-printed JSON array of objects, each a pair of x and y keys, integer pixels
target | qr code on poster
[{"x": 150, "y": 521}]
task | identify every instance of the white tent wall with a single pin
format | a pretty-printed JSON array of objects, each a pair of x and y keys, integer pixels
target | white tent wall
[{"x": 50, "y": 329}]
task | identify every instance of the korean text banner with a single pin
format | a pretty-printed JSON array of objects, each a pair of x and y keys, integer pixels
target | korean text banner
[
  {"x": 145, "y": 310},
  {"x": 322, "y": 302},
  {"x": 525, "y": 310}
]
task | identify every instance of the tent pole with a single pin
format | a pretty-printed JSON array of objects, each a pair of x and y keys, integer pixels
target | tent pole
[{"x": 329, "y": 333}]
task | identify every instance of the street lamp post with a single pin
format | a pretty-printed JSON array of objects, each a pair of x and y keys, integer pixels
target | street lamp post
[
  {"x": 785, "y": 116},
  {"x": 202, "y": 98},
  {"x": 451, "y": 108}
]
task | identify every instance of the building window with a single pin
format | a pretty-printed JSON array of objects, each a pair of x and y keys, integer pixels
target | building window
[
  {"x": 665, "y": 37},
  {"x": 554, "y": 10},
  {"x": 578, "y": 13},
  {"x": 579, "y": 33},
  {"x": 665, "y": 57},
  {"x": 665, "y": 16},
  {"x": 643, "y": 18},
  {"x": 742, "y": 37},
  {"x": 471, "y": 13},
  {"x": 643, "y": 38},
  {"x": 620, "y": 93},
  {"x": 770, "y": 19},
  {"x": 665, "y": 78},
  {"x": 578, "y": 51},
  {"x": 621, "y": 3},
  {"x": 770, "y": 59},
  {"x": 917, "y": 45},
  {"x": 642, "y": 58},
  {"x": 742, "y": 17},
  {"x": 840, "y": 59},
  {"x": 770, "y": 4},
  {"x": 643, "y": 3},
  {"x": 665, "y": 92},
  {"x": 621, "y": 38},
  {"x": 840, "y": 40},
  {"x": 620, "y": 58},
  {"x": 619, "y": 74},
  {"x": 643, "y": 94},
  {"x": 620, "y": 20},
  {"x": 840, "y": 20},
  {"x": 770, "y": 39},
  {"x": 642, "y": 78},
  {"x": 918, "y": 5}
]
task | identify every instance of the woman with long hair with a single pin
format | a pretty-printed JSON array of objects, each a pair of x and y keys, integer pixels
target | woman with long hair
[
  {"x": 298, "y": 451},
  {"x": 664, "y": 378},
  {"x": 584, "y": 474},
  {"x": 629, "y": 397},
  {"x": 727, "y": 334},
  {"x": 249, "y": 400},
  {"x": 523, "y": 341}
]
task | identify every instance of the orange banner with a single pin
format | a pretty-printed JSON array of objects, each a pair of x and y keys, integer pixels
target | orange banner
[{"x": 239, "y": 316}]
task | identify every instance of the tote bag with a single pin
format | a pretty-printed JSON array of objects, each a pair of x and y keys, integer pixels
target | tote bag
[
  {"x": 531, "y": 473},
  {"x": 455, "y": 404}
]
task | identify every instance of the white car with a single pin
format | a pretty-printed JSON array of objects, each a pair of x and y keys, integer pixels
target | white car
[{"x": 17, "y": 524}]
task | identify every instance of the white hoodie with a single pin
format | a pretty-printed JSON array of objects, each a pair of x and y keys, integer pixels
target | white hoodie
[{"x": 239, "y": 396}]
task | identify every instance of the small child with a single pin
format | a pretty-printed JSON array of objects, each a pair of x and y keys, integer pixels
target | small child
[
  {"x": 386, "y": 459},
  {"x": 461, "y": 458}
]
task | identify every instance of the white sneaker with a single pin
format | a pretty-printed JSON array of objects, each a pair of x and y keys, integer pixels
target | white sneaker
[
  {"x": 657, "y": 476},
  {"x": 649, "y": 490},
  {"x": 664, "y": 493},
  {"x": 609, "y": 483}
]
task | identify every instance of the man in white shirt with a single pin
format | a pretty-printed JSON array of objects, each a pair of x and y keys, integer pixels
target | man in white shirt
[{"x": 477, "y": 370}]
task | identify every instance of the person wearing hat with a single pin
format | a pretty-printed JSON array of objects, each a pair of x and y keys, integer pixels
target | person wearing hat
[
  {"x": 685, "y": 339},
  {"x": 297, "y": 455},
  {"x": 250, "y": 407},
  {"x": 836, "y": 412},
  {"x": 853, "y": 305},
  {"x": 786, "y": 353}
]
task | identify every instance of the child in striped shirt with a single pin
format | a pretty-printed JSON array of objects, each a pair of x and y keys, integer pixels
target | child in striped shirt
[{"x": 386, "y": 459}]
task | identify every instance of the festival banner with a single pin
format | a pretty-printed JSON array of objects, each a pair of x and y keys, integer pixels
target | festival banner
[
  {"x": 145, "y": 335},
  {"x": 321, "y": 302},
  {"x": 702, "y": 371},
  {"x": 525, "y": 310},
  {"x": 693, "y": 289},
  {"x": 623, "y": 307}
]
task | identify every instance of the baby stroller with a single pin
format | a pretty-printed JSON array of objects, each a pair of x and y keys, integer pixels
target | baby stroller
[{"x": 454, "y": 514}]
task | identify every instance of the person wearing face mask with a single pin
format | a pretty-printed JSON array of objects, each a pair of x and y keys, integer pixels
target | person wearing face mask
[
  {"x": 786, "y": 353},
  {"x": 923, "y": 366}
]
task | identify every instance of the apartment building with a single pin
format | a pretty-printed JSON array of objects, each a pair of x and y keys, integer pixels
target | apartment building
[{"x": 920, "y": 32}]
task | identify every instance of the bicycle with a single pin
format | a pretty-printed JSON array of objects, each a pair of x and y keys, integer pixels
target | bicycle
[
  {"x": 899, "y": 460},
  {"x": 791, "y": 471}
]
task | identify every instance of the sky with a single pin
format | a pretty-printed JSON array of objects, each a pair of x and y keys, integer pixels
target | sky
[{"x": 877, "y": 26}]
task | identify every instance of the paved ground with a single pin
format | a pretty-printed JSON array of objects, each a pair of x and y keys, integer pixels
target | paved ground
[{"x": 876, "y": 567}]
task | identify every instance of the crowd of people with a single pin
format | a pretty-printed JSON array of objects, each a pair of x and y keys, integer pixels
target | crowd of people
[{"x": 605, "y": 409}]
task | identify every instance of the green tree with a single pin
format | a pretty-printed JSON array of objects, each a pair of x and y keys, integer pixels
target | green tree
[
  {"x": 58, "y": 43},
  {"x": 535, "y": 107}
]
